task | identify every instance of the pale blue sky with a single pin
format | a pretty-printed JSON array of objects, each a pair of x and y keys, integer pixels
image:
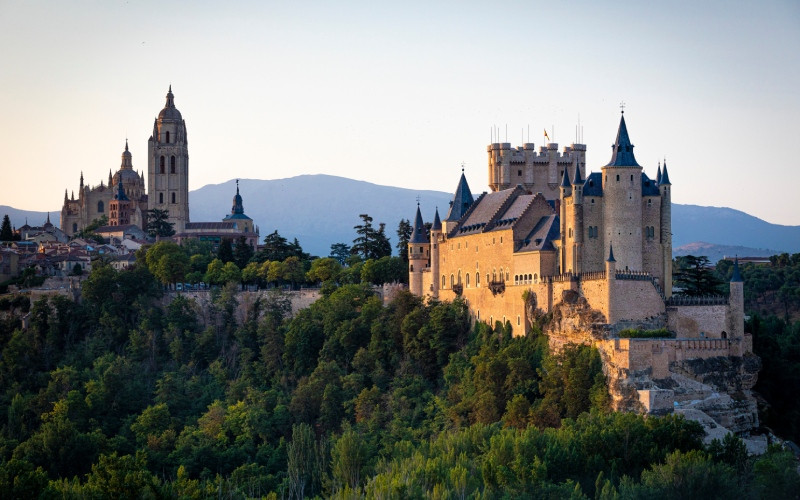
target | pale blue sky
[{"x": 401, "y": 93}]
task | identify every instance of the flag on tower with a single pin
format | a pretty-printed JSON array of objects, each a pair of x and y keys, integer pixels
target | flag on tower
[{"x": 545, "y": 135}]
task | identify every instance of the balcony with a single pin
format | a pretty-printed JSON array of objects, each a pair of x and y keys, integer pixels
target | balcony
[{"x": 497, "y": 287}]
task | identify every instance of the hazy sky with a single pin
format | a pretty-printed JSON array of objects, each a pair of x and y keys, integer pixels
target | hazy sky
[{"x": 400, "y": 93}]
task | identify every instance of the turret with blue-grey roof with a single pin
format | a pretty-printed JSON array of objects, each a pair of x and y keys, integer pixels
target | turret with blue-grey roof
[
  {"x": 462, "y": 200},
  {"x": 418, "y": 254}
]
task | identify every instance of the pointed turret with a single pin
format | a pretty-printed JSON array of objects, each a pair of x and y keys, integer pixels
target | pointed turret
[
  {"x": 120, "y": 193},
  {"x": 418, "y": 231},
  {"x": 65, "y": 196},
  {"x": 565, "y": 183},
  {"x": 665, "y": 176},
  {"x": 437, "y": 223},
  {"x": 658, "y": 175},
  {"x": 577, "y": 181},
  {"x": 81, "y": 180},
  {"x": 127, "y": 162},
  {"x": 462, "y": 200},
  {"x": 611, "y": 254},
  {"x": 110, "y": 178},
  {"x": 736, "y": 277},
  {"x": 47, "y": 222},
  {"x": 622, "y": 149}
]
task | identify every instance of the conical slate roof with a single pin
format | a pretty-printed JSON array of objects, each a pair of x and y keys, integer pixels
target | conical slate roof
[
  {"x": 565, "y": 180},
  {"x": 577, "y": 180},
  {"x": 418, "y": 233},
  {"x": 611, "y": 254},
  {"x": 665, "y": 175},
  {"x": 461, "y": 200},
  {"x": 736, "y": 277},
  {"x": 622, "y": 149},
  {"x": 437, "y": 223}
]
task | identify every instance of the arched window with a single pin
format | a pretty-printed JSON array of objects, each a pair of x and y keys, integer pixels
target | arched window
[
  {"x": 411, "y": 268},
  {"x": 444, "y": 281},
  {"x": 535, "y": 277},
  {"x": 167, "y": 137},
  {"x": 100, "y": 207},
  {"x": 617, "y": 177},
  {"x": 467, "y": 278},
  {"x": 161, "y": 197},
  {"x": 494, "y": 274},
  {"x": 479, "y": 314},
  {"x": 452, "y": 281},
  {"x": 161, "y": 164},
  {"x": 75, "y": 227},
  {"x": 172, "y": 164},
  {"x": 173, "y": 197},
  {"x": 477, "y": 279}
]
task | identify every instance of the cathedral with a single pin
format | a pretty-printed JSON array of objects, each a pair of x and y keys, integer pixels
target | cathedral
[{"x": 124, "y": 201}]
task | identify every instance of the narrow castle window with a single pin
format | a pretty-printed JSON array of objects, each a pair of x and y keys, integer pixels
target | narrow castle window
[
  {"x": 172, "y": 164},
  {"x": 100, "y": 206},
  {"x": 167, "y": 137},
  {"x": 75, "y": 227},
  {"x": 617, "y": 177},
  {"x": 173, "y": 197},
  {"x": 467, "y": 278},
  {"x": 161, "y": 164},
  {"x": 161, "y": 197},
  {"x": 444, "y": 281},
  {"x": 519, "y": 173}
]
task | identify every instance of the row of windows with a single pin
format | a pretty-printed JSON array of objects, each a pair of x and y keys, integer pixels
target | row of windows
[
  {"x": 161, "y": 197},
  {"x": 162, "y": 164},
  {"x": 525, "y": 279},
  {"x": 456, "y": 280}
]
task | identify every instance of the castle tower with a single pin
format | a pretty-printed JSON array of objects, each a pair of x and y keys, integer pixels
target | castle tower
[
  {"x": 168, "y": 165},
  {"x": 564, "y": 194},
  {"x": 436, "y": 239},
  {"x": 577, "y": 220},
  {"x": 666, "y": 227},
  {"x": 418, "y": 255},
  {"x": 460, "y": 204},
  {"x": 611, "y": 280},
  {"x": 622, "y": 202},
  {"x": 237, "y": 215},
  {"x": 736, "y": 302}
]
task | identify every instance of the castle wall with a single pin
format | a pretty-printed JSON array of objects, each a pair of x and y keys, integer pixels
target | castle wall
[
  {"x": 702, "y": 321},
  {"x": 593, "y": 257},
  {"x": 652, "y": 252}
]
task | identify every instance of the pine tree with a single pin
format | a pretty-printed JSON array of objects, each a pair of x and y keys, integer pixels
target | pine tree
[
  {"x": 404, "y": 231},
  {"x": 5, "y": 232}
]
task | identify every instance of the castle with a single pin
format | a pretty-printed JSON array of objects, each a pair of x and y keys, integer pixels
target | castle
[
  {"x": 124, "y": 199},
  {"x": 594, "y": 252}
]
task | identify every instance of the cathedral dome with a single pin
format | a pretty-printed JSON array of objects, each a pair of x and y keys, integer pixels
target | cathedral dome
[
  {"x": 170, "y": 112},
  {"x": 127, "y": 176}
]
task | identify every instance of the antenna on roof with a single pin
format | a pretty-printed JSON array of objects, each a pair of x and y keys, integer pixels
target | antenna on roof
[
  {"x": 622, "y": 107},
  {"x": 417, "y": 200},
  {"x": 462, "y": 167}
]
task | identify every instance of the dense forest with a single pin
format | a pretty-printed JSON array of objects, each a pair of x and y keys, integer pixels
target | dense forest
[{"x": 129, "y": 394}]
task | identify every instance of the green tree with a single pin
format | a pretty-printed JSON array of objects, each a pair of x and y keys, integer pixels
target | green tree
[
  {"x": 325, "y": 269},
  {"x": 225, "y": 251},
  {"x": 348, "y": 459},
  {"x": 158, "y": 223},
  {"x": 694, "y": 276},
  {"x": 370, "y": 243},
  {"x": 6, "y": 234},
  {"x": 242, "y": 252},
  {"x": 340, "y": 252},
  {"x": 167, "y": 262},
  {"x": 404, "y": 230}
]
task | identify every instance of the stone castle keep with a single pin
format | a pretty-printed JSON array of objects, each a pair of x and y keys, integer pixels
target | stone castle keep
[{"x": 594, "y": 252}]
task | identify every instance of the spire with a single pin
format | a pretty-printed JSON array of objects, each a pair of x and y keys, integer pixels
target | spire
[
  {"x": 565, "y": 183},
  {"x": 461, "y": 200},
  {"x": 47, "y": 222},
  {"x": 73, "y": 196},
  {"x": 611, "y": 254},
  {"x": 665, "y": 175},
  {"x": 238, "y": 207},
  {"x": 736, "y": 277},
  {"x": 622, "y": 149},
  {"x": 126, "y": 144},
  {"x": 65, "y": 196},
  {"x": 577, "y": 180},
  {"x": 658, "y": 175},
  {"x": 437, "y": 223},
  {"x": 126, "y": 158},
  {"x": 170, "y": 98},
  {"x": 418, "y": 232},
  {"x": 81, "y": 180},
  {"x": 120, "y": 192},
  {"x": 109, "y": 178}
]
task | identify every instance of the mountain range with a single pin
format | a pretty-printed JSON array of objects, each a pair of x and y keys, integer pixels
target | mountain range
[{"x": 320, "y": 210}]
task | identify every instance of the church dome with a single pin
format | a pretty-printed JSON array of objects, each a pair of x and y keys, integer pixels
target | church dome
[
  {"x": 170, "y": 112},
  {"x": 238, "y": 207},
  {"x": 127, "y": 176}
]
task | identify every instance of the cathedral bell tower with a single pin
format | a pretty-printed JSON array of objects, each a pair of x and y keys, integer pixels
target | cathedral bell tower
[{"x": 168, "y": 165}]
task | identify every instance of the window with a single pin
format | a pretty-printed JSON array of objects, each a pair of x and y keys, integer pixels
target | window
[
  {"x": 172, "y": 164},
  {"x": 161, "y": 165},
  {"x": 452, "y": 281},
  {"x": 459, "y": 276},
  {"x": 519, "y": 173},
  {"x": 518, "y": 320},
  {"x": 631, "y": 177},
  {"x": 173, "y": 197},
  {"x": 100, "y": 207},
  {"x": 477, "y": 279},
  {"x": 75, "y": 227},
  {"x": 168, "y": 137},
  {"x": 444, "y": 281},
  {"x": 411, "y": 268},
  {"x": 161, "y": 197},
  {"x": 617, "y": 177},
  {"x": 467, "y": 278}
]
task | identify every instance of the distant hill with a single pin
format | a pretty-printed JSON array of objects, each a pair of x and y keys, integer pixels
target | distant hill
[
  {"x": 716, "y": 252},
  {"x": 320, "y": 210},
  {"x": 34, "y": 218}
]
